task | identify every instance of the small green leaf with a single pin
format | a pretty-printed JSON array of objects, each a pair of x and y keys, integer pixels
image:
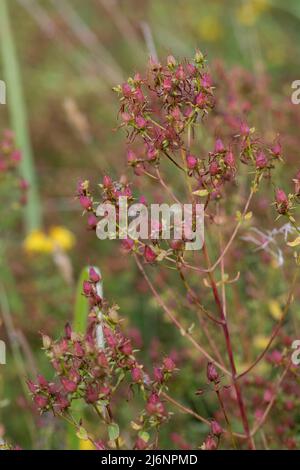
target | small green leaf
[
  {"x": 162, "y": 255},
  {"x": 82, "y": 434},
  {"x": 238, "y": 216},
  {"x": 135, "y": 425},
  {"x": 113, "y": 431},
  {"x": 295, "y": 242},
  {"x": 201, "y": 192},
  {"x": 144, "y": 436}
]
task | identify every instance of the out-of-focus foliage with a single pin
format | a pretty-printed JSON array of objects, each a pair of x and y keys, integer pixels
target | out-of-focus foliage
[{"x": 71, "y": 53}]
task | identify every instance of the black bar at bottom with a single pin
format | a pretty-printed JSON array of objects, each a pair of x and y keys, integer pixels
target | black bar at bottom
[{"x": 149, "y": 459}]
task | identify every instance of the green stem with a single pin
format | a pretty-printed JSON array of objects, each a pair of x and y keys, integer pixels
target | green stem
[
  {"x": 17, "y": 108},
  {"x": 81, "y": 311}
]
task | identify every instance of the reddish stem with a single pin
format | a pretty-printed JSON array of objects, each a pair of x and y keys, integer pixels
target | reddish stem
[{"x": 230, "y": 355}]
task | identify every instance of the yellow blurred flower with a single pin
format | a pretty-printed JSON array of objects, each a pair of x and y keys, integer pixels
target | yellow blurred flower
[
  {"x": 275, "y": 309},
  {"x": 210, "y": 28},
  {"x": 248, "y": 13},
  {"x": 86, "y": 445},
  {"x": 261, "y": 5},
  {"x": 62, "y": 237},
  {"x": 38, "y": 242},
  {"x": 261, "y": 341}
]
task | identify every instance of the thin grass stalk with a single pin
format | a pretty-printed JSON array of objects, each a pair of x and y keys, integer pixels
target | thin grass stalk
[{"x": 18, "y": 115}]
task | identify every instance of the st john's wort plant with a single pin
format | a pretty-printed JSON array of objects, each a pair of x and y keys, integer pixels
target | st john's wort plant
[{"x": 176, "y": 147}]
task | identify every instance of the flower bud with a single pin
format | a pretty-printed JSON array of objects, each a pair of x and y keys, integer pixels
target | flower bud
[
  {"x": 68, "y": 331},
  {"x": 107, "y": 182},
  {"x": 210, "y": 443},
  {"x": 85, "y": 202},
  {"x": 191, "y": 161},
  {"x": 171, "y": 61},
  {"x": 68, "y": 385},
  {"x": 216, "y": 428},
  {"x": 92, "y": 221},
  {"x": 188, "y": 112},
  {"x": 126, "y": 89},
  {"x": 180, "y": 74},
  {"x": 152, "y": 153},
  {"x": 94, "y": 276},
  {"x": 177, "y": 245},
  {"x": 78, "y": 350},
  {"x": 126, "y": 348},
  {"x": 149, "y": 255},
  {"x": 127, "y": 244},
  {"x": 199, "y": 57},
  {"x": 214, "y": 168},
  {"x": 244, "y": 129},
  {"x": 169, "y": 364},
  {"x": 219, "y": 146},
  {"x": 32, "y": 387},
  {"x": 140, "y": 122},
  {"x": 154, "y": 406},
  {"x": 261, "y": 160},
  {"x": 136, "y": 374},
  {"x": 191, "y": 69},
  {"x": 158, "y": 374},
  {"x": 126, "y": 117},
  {"x": 46, "y": 341},
  {"x": 167, "y": 84},
  {"x": 131, "y": 157},
  {"x": 229, "y": 159},
  {"x": 276, "y": 149},
  {"x": 87, "y": 288},
  {"x": 139, "y": 95},
  {"x": 212, "y": 373},
  {"x": 282, "y": 201},
  {"x": 102, "y": 360},
  {"x": 41, "y": 401},
  {"x": 281, "y": 197},
  {"x": 142, "y": 200},
  {"x": 200, "y": 100},
  {"x": 42, "y": 381},
  {"x": 91, "y": 394},
  {"x": 62, "y": 402},
  {"x": 206, "y": 80},
  {"x": 104, "y": 391},
  {"x": 140, "y": 444}
]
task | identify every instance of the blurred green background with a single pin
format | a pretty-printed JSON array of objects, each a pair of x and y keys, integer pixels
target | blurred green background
[{"x": 70, "y": 54}]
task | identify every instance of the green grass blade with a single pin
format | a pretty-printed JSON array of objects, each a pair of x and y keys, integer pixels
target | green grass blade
[
  {"x": 81, "y": 304},
  {"x": 19, "y": 123},
  {"x": 81, "y": 311}
]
